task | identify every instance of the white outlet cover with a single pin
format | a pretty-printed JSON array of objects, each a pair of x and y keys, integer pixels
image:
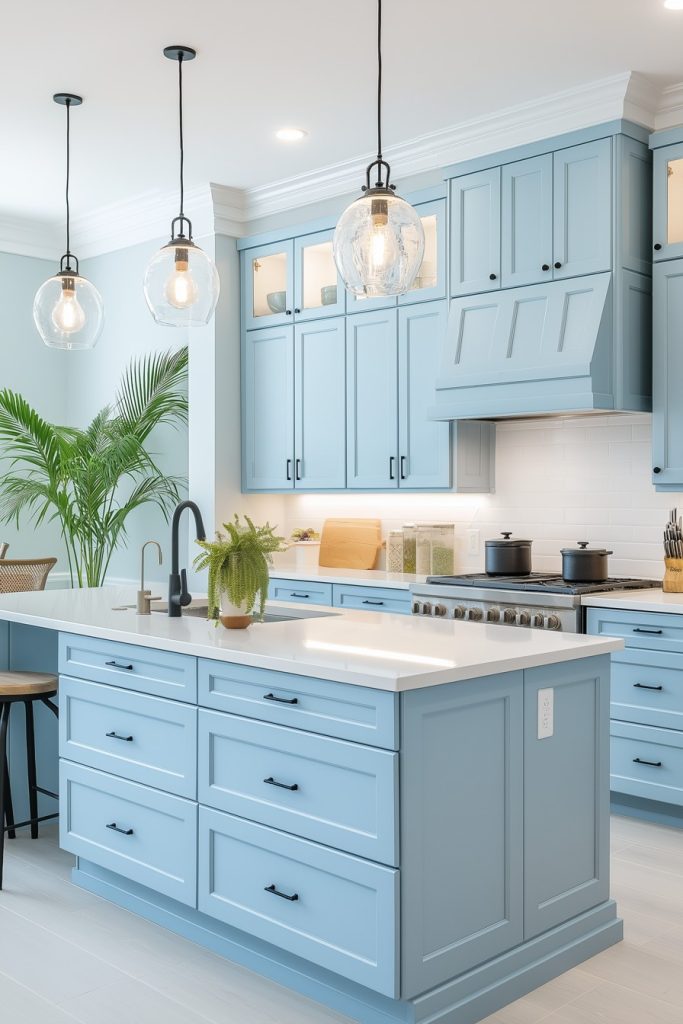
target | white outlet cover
[{"x": 546, "y": 713}]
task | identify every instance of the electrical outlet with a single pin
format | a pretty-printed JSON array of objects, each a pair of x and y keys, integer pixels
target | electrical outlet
[
  {"x": 546, "y": 713},
  {"x": 473, "y": 542}
]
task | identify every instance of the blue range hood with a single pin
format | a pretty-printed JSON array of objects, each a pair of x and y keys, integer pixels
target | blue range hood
[{"x": 569, "y": 346}]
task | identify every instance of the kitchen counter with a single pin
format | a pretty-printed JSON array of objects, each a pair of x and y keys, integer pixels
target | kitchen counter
[
  {"x": 382, "y": 651},
  {"x": 637, "y": 601},
  {"x": 362, "y": 577}
]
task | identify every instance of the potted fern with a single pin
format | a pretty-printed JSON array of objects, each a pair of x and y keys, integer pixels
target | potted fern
[{"x": 238, "y": 562}]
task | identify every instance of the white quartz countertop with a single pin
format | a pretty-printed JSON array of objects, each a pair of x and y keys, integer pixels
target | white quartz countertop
[
  {"x": 637, "y": 601},
  {"x": 361, "y": 577},
  {"x": 383, "y": 651}
]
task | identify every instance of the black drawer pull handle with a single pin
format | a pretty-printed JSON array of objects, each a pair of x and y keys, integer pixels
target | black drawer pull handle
[
  {"x": 369, "y": 600},
  {"x": 116, "y": 664},
  {"x": 392, "y": 460},
  {"x": 652, "y": 632},
  {"x": 652, "y": 764},
  {"x": 402, "y": 462},
  {"x": 644, "y": 686},
  {"x": 124, "y": 831},
  {"x": 281, "y": 785},
  {"x": 305, "y": 596},
  {"x": 283, "y": 895},
  {"x": 116, "y": 736},
  {"x": 281, "y": 700}
]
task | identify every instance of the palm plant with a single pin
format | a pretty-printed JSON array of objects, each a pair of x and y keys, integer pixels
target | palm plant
[
  {"x": 90, "y": 480},
  {"x": 238, "y": 563}
]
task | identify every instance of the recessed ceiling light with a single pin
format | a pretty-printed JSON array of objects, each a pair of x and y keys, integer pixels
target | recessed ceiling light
[
  {"x": 674, "y": 5},
  {"x": 294, "y": 134}
]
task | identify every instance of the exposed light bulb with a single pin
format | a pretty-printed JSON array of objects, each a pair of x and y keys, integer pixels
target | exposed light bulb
[
  {"x": 181, "y": 288},
  {"x": 68, "y": 315},
  {"x": 383, "y": 249}
]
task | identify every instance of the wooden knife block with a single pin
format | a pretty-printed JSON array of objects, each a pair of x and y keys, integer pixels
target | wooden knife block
[{"x": 673, "y": 576}]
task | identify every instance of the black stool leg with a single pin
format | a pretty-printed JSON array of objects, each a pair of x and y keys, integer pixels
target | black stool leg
[
  {"x": 9, "y": 809},
  {"x": 31, "y": 761},
  {"x": 4, "y": 719}
]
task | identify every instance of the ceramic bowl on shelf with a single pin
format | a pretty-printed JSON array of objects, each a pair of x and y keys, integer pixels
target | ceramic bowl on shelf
[
  {"x": 277, "y": 301},
  {"x": 328, "y": 294}
]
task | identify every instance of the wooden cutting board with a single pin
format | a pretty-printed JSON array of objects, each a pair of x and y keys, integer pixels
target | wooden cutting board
[{"x": 350, "y": 543}]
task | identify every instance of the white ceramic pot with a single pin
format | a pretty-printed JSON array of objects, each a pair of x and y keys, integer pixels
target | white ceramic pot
[{"x": 234, "y": 616}]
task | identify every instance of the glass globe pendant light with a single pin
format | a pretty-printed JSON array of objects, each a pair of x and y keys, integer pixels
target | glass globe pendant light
[
  {"x": 379, "y": 240},
  {"x": 181, "y": 281},
  {"x": 67, "y": 309}
]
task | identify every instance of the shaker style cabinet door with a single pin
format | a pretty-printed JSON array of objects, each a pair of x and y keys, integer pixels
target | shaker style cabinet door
[
  {"x": 527, "y": 221},
  {"x": 424, "y": 444},
  {"x": 667, "y": 408},
  {"x": 268, "y": 409},
  {"x": 372, "y": 400},
  {"x": 430, "y": 282},
  {"x": 320, "y": 405},
  {"x": 667, "y": 227},
  {"x": 475, "y": 232},
  {"x": 582, "y": 219},
  {"x": 268, "y": 285},
  {"x": 318, "y": 289}
]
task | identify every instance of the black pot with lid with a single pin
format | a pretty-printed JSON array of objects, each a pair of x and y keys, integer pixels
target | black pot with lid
[
  {"x": 508, "y": 557},
  {"x": 584, "y": 564}
]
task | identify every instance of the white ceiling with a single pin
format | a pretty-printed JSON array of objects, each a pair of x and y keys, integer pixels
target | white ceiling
[{"x": 261, "y": 65}]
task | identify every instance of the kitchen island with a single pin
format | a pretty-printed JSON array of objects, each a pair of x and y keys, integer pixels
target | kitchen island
[{"x": 406, "y": 820}]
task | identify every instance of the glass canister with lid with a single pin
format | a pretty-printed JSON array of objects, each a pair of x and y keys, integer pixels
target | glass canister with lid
[
  {"x": 423, "y": 547},
  {"x": 409, "y": 547},
  {"x": 395, "y": 551},
  {"x": 443, "y": 549}
]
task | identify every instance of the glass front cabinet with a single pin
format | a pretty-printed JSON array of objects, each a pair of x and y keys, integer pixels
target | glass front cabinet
[{"x": 668, "y": 203}]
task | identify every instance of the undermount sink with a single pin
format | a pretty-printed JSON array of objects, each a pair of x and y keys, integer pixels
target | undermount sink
[{"x": 201, "y": 611}]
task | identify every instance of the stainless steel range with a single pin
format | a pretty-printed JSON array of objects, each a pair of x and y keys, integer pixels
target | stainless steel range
[{"x": 536, "y": 601}]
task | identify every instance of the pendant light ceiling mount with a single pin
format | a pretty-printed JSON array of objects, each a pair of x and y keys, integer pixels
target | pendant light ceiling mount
[
  {"x": 67, "y": 309},
  {"x": 181, "y": 280}
]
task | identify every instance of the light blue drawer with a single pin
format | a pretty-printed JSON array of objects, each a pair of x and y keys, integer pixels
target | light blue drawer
[
  {"x": 162, "y": 673},
  {"x": 647, "y": 688},
  {"x": 648, "y": 630},
  {"x": 338, "y": 793},
  {"x": 647, "y": 762},
  {"x": 300, "y": 591},
  {"x": 141, "y": 738},
  {"x": 371, "y": 599},
  {"x": 349, "y": 712},
  {"x": 155, "y": 838},
  {"x": 335, "y": 910}
]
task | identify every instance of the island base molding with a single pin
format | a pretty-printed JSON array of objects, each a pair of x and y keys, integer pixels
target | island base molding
[
  {"x": 464, "y": 1000},
  {"x": 647, "y": 810}
]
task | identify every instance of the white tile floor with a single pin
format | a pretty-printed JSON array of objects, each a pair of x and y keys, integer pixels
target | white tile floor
[{"x": 67, "y": 956}]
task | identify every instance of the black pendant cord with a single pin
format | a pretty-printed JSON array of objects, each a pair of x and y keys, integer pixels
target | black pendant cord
[
  {"x": 379, "y": 81},
  {"x": 182, "y": 147},
  {"x": 68, "y": 171}
]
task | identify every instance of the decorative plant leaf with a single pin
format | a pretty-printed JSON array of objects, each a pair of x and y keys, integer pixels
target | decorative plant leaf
[{"x": 92, "y": 479}]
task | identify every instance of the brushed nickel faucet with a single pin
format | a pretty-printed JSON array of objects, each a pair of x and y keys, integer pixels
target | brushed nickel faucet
[{"x": 144, "y": 603}]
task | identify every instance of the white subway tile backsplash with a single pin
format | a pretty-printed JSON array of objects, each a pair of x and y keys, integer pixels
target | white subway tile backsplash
[{"x": 557, "y": 481}]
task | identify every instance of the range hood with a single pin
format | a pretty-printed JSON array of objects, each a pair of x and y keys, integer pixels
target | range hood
[{"x": 568, "y": 346}]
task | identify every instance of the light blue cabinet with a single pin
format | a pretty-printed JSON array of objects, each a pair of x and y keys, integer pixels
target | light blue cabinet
[
  {"x": 318, "y": 289},
  {"x": 475, "y": 232},
  {"x": 667, "y": 226},
  {"x": 371, "y": 599},
  {"x": 430, "y": 282},
  {"x": 424, "y": 446},
  {"x": 267, "y": 274},
  {"x": 268, "y": 409},
  {"x": 582, "y": 209},
  {"x": 372, "y": 400},
  {"x": 667, "y": 364},
  {"x": 527, "y": 221},
  {"x": 300, "y": 591},
  {"x": 320, "y": 405}
]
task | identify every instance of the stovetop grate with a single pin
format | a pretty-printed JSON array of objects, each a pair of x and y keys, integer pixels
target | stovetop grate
[{"x": 541, "y": 583}]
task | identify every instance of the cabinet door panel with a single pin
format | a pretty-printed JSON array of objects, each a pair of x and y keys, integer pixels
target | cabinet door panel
[
  {"x": 318, "y": 289},
  {"x": 527, "y": 221},
  {"x": 475, "y": 232},
  {"x": 430, "y": 282},
  {"x": 582, "y": 219},
  {"x": 268, "y": 285},
  {"x": 668, "y": 202},
  {"x": 320, "y": 399},
  {"x": 667, "y": 416},
  {"x": 372, "y": 397},
  {"x": 268, "y": 409},
  {"x": 424, "y": 445},
  {"x": 461, "y": 827}
]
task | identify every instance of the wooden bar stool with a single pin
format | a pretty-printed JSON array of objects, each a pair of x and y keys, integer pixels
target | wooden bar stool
[{"x": 18, "y": 575}]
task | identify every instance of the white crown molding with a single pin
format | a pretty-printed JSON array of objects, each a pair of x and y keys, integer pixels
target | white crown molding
[{"x": 221, "y": 209}]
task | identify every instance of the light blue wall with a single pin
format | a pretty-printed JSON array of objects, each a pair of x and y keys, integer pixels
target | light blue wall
[
  {"x": 36, "y": 372},
  {"x": 129, "y": 331}
]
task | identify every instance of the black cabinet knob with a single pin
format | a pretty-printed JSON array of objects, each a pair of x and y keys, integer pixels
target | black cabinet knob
[
  {"x": 546, "y": 266},
  {"x": 658, "y": 246},
  {"x": 492, "y": 277},
  {"x": 557, "y": 265},
  {"x": 297, "y": 310},
  {"x": 657, "y": 469},
  {"x": 288, "y": 312}
]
